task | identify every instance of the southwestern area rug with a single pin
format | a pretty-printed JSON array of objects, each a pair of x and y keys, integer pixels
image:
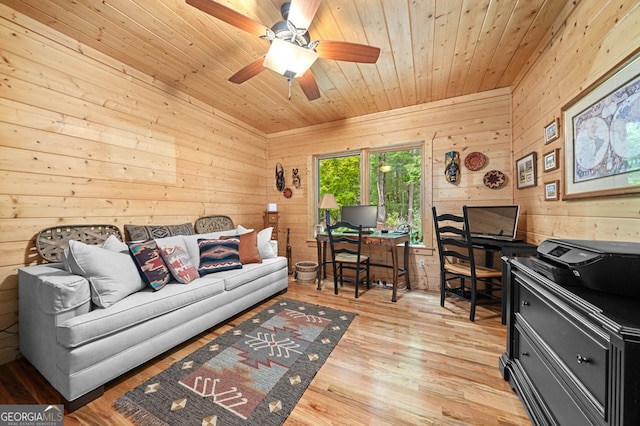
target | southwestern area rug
[{"x": 254, "y": 374}]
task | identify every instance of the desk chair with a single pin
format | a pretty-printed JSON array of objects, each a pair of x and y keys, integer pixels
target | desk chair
[
  {"x": 346, "y": 255},
  {"x": 459, "y": 273}
]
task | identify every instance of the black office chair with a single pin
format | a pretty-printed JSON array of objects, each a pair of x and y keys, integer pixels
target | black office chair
[
  {"x": 459, "y": 273},
  {"x": 346, "y": 255}
]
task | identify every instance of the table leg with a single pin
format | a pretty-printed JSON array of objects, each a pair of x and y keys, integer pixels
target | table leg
[
  {"x": 406, "y": 265},
  {"x": 394, "y": 262},
  {"x": 324, "y": 259},
  {"x": 320, "y": 263}
]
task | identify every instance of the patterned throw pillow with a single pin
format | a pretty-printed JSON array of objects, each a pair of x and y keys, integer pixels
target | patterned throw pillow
[
  {"x": 219, "y": 255},
  {"x": 248, "y": 248},
  {"x": 179, "y": 263},
  {"x": 150, "y": 264},
  {"x": 151, "y": 232}
]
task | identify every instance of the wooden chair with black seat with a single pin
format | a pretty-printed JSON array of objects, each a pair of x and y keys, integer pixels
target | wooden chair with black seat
[
  {"x": 459, "y": 272},
  {"x": 345, "y": 241}
]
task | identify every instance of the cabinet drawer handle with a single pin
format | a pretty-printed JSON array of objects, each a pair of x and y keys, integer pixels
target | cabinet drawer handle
[
  {"x": 525, "y": 303},
  {"x": 581, "y": 359},
  {"x": 525, "y": 353}
]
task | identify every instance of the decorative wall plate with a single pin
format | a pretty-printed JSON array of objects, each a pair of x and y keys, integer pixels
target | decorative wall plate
[
  {"x": 475, "y": 161},
  {"x": 287, "y": 193},
  {"x": 494, "y": 179}
]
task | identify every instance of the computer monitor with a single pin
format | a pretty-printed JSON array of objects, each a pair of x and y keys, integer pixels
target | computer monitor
[
  {"x": 493, "y": 221},
  {"x": 366, "y": 216}
]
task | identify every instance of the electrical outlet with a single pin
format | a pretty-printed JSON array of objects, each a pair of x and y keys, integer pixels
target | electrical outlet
[{"x": 421, "y": 263}]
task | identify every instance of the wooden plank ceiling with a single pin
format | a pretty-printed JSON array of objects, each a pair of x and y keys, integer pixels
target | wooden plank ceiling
[{"x": 430, "y": 50}]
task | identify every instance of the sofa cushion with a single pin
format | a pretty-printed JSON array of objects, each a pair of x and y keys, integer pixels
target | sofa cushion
[
  {"x": 112, "y": 275},
  {"x": 150, "y": 232},
  {"x": 218, "y": 255},
  {"x": 252, "y": 272},
  {"x": 135, "y": 309},
  {"x": 248, "y": 248},
  {"x": 179, "y": 263},
  {"x": 152, "y": 268}
]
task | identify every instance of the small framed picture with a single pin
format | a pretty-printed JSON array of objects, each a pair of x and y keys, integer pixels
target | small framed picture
[
  {"x": 551, "y": 191},
  {"x": 526, "y": 170},
  {"x": 550, "y": 160},
  {"x": 551, "y": 131}
]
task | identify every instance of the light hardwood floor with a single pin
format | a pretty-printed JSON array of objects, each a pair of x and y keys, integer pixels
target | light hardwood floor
[{"x": 406, "y": 363}]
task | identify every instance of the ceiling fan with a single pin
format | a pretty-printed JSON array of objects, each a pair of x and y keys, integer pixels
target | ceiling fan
[{"x": 291, "y": 52}]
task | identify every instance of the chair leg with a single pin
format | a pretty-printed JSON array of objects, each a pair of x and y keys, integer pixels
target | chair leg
[
  {"x": 357, "y": 280},
  {"x": 335, "y": 278},
  {"x": 368, "y": 283},
  {"x": 472, "y": 314},
  {"x": 443, "y": 283}
]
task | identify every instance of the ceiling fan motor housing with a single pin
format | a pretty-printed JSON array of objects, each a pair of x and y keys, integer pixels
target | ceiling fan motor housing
[{"x": 282, "y": 31}]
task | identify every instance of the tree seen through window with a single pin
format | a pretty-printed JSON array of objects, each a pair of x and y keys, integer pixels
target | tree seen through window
[{"x": 394, "y": 185}]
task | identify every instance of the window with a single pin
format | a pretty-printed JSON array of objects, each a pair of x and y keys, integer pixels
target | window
[{"x": 389, "y": 178}]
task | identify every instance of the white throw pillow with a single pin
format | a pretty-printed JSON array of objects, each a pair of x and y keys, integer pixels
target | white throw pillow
[
  {"x": 264, "y": 244},
  {"x": 112, "y": 275},
  {"x": 242, "y": 230},
  {"x": 114, "y": 244},
  {"x": 175, "y": 241}
]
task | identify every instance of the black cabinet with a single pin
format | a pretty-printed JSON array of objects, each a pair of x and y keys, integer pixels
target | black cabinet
[{"x": 572, "y": 353}]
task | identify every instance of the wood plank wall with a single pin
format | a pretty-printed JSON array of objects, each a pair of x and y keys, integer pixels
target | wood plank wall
[
  {"x": 583, "y": 47},
  {"x": 479, "y": 122},
  {"x": 84, "y": 139}
]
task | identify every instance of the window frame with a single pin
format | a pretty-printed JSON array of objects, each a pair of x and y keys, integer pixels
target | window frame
[{"x": 365, "y": 184}]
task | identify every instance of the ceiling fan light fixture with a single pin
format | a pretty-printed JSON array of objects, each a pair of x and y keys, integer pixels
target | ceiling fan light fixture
[{"x": 289, "y": 59}]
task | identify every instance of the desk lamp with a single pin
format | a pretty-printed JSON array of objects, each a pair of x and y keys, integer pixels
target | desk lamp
[{"x": 328, "y": 202}]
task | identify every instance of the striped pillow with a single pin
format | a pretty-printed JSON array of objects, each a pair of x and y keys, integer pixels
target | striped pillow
[{"x": 219, "y": 255}]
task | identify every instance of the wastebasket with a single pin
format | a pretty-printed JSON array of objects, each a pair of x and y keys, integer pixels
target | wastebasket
[{"x": 306, "y": 272}]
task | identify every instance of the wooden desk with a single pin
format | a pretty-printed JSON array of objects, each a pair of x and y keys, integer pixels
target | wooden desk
[
  {"x": 392, "y": 240},
  {"x": 506, "y": 249}
]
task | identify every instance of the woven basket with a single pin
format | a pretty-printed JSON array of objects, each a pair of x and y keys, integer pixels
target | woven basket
[{"x": 306, "y": 272}]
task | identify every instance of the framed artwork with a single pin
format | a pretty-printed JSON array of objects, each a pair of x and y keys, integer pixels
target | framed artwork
[
  {"x": 602, "y": 136},
  {"x": 550, "y": 160},
  {"x": 526, "y": 170},
  {"x": 551, "y": 131},
  {"x": 552, "y": 191}
]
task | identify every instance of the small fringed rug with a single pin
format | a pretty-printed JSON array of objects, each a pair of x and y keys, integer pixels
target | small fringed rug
[{"x": 253, "y": 374}]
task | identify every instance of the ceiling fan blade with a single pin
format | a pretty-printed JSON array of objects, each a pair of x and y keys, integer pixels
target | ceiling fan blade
[
  {"x": 249, "y": 71},
  {"x": 345, "y": 51},
  {"x": 229, "y": 16},
  {"x": 301, "y": 12},
  {"x": 309, "y": 86}
]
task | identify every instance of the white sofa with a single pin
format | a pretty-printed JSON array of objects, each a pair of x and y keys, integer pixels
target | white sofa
[{"x": 79, "y": 347}]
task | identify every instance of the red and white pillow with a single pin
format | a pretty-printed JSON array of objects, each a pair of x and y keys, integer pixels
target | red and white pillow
[{"x": 179, "y": 263}]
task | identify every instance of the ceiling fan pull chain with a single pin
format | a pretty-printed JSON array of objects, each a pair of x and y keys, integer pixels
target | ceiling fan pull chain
[{"x": 289, "y": 87}]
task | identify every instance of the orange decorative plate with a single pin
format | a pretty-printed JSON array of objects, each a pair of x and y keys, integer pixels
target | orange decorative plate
[
  {"x": 494, "y": 179},
  {"x": 475, "y": 161}
]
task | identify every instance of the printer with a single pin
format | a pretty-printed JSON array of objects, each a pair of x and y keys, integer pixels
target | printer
[{"x": 606, "y": 266}]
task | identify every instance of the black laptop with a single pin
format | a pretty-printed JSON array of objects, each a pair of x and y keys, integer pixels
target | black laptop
[{"x": 494, "y": 222}]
